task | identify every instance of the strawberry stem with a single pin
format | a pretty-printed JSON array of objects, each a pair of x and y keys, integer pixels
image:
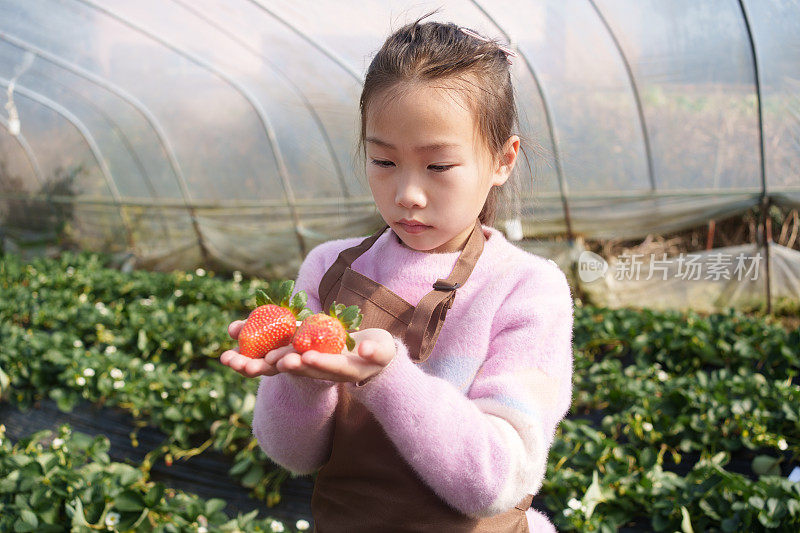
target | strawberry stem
[
  {"x": 350, "y": 316},
  {"x": 280, "y": 293}
]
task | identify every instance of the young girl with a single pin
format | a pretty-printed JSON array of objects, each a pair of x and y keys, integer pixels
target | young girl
[{"x": 429, "y": 424}]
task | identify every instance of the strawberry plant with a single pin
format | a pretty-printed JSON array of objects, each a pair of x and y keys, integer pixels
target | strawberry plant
[{"x": 678, "y": 420}]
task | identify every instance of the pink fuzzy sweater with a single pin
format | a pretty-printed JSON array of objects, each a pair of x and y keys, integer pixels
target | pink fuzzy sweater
[{"x": 477, "y": 418}]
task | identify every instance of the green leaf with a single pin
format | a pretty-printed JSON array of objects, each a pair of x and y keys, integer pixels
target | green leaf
[
  {"x": 349, "y": 314},
  {"x": 285, "y": 292},
  {"x": 240, "y": 467},
  {"x": 128, "y": 475},
  {"x": 686, "y": 521},
  {"x": 129, "y": 500},
  {"x": 214, "y": 505},
  {"x": 756, "y": 502},
  {"x": 253, "y": 476},
  {"x": 5, "y": 382},
  {"x": 731, "y": 524},
  {"x": 262, "y": 298},
  {"x": 595, "y": 494},
  {"x": 299, "y": 301},
  {"x": 154, "y": 495},
  {"x": 766, "y": 465},
  {"x": 141, "y": 340},
  {"x": 173, "y": 413},
  {"x": 305, "y": 313},
  {"x": 29, "y": 517},
  {"x": 350, "y": 343}
]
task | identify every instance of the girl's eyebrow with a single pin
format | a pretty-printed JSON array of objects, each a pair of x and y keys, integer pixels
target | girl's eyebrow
[{"x": 426, "y": 148}]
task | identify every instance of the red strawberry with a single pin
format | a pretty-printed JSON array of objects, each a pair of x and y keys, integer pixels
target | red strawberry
[
  {"x": 328, "y": 333},
  {"x": 273, "y": 323}
]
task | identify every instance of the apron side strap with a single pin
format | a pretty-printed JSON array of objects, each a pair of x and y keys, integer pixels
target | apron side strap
[
  {"x": 333, "y": 277},
  {"x": 525, "y": 503},
  {"x": 430, "y": 312},
  {"x": 427, "y": 322}
]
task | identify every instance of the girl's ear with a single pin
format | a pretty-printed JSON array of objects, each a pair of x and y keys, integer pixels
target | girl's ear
[{"x": 506, "y": 161}]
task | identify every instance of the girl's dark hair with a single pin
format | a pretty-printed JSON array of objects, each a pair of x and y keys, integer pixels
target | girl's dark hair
[{"x": 441, "y": 51}]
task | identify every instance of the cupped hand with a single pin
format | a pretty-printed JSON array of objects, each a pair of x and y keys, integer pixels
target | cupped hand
[
  {"x": 244, "y": 365},
  {"x": 373, "y": 351}
]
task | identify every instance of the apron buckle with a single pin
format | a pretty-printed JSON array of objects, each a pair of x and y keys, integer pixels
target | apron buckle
[{"x": 443, "y": 285}]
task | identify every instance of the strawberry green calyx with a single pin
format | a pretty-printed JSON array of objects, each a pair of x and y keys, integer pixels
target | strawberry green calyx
[
  {"x": 280, "y": 293},
  {"x": 350, "y": 317}
]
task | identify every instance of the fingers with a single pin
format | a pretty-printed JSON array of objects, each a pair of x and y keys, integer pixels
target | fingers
[
  {"x": 367, "y": 350},
  {"x": 246, "y": 366},
  {"x": 277, "y": 354},
  {"x": 234, "y": 328},
  {"x": 379, "y": 349},
  {"x": 333, "y": 366},
  {"x": 292, "y": 363}
]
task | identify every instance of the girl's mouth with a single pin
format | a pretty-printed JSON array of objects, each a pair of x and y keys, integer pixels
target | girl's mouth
[{"x": 413, "y": 227}]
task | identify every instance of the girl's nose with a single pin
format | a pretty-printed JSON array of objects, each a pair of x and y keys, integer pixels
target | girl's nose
[{"x": 409, "y": 194}]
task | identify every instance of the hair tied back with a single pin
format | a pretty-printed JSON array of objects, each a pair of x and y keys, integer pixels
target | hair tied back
[{"x": 506, "y": 50}]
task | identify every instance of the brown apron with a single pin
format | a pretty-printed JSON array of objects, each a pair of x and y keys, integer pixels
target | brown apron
[{"x": 366, "y": 485}]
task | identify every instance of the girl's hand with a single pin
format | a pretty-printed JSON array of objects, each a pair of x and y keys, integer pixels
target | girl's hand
[
  {"x": 244, "y": 365},
  {"x": 374, "y": 350}
]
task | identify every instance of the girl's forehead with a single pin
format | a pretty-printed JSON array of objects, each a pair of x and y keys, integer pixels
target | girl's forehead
[{"x": 433, "y": 111}]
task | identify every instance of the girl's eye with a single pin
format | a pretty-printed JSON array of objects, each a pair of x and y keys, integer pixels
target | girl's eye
[
  {"x": 382, "y": 163},
  {"x": 440, "y": 168}
]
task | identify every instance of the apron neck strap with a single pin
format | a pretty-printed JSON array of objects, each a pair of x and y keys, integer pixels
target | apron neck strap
[
  {"x": 333, "y": 276},
  {"x": 430, "y": 312}
]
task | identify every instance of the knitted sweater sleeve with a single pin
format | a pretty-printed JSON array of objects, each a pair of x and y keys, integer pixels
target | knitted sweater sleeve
[
  {"x": 293, "y": 415},
  {"x": 483, "y": 451}
]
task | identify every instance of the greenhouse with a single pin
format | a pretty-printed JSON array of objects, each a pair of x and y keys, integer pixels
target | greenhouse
[{"x": 203, "y": 148}]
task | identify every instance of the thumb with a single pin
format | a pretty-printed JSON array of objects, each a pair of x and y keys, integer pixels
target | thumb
[{"x": 367, "y": 349}]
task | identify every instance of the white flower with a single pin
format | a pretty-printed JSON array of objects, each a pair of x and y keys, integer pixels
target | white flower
[
  {"x": 119, "y": 384},
  {"x": 80, "y": 380},
  {"x": 202, "y": 529},
  {"x": 189, "y": 277},
  {"x": 116, "y": 373},
  {"x": 200, "y": 272},
  {"x": 112, "y": 519},
  {"x": 146, "y": 301},
  {"x": 302, "y": 525},
  {"x": 567, "y": 512},
  {"x": 149, "y": 367},
  {"x": 99, "y": 305},
  {"x": 110, "y": 349},
  {"x": 662, "y": 376},
  {"x": 164, "y": 394},
  {"x": 574, "y": 504},
  {"x": 237, "y": 277},
  {"x": 178, "y": 293},
  {"x": 77, "y": 343},
  {"x": 276, "y": 526},
  {"x": 88, "y": 372},
  {"x": 58, "y": 443},
  {"x": 647, "y": 426},
  {"x": 782, "y": 444},
  {"x": 186, "y": 385},
  {"x": 213, "y": 393},
  {"x": 82, "y": 298},
  {"x": 70, "y": 271}
]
